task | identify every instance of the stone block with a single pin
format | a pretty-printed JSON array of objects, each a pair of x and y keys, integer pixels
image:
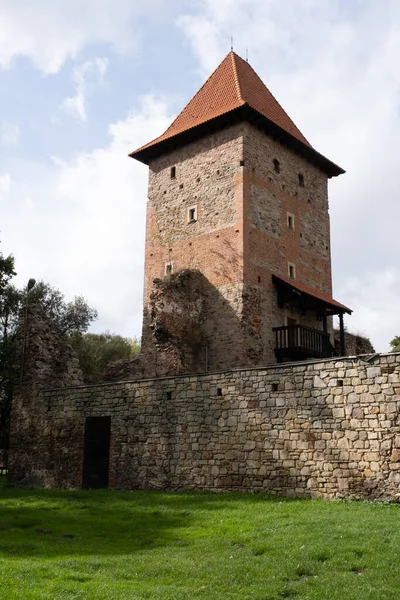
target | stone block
[{"x": 373, "y": 372}]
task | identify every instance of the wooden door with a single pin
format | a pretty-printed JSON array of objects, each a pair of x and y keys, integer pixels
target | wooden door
[{"x": 96, "y": 455}]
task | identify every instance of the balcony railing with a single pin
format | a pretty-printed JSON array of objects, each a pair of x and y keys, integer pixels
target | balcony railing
[{"x": 298, "y": 342}]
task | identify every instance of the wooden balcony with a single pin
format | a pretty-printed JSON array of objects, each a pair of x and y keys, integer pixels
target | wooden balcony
[{"x": 298, "y": 342}]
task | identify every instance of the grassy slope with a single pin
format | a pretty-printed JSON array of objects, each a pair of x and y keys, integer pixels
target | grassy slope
[{"x": 177, "y": 546}]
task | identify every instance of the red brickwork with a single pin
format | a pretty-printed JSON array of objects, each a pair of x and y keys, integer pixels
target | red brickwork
[
  {"x": 260, "y": 208},
  {"x": 240, "y": 237}
]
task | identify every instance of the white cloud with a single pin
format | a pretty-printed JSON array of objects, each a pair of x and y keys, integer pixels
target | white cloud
[
  {"x": 375, "y": 296},
  {"x": 334, "y": 68},
  {"x": 9, "y": 134},
  {"x": 49, "y": 33},
  {"x": 79, "y": 224},
  {"x": 5, "y": 183},
  {"x": 84, "y": 77}
]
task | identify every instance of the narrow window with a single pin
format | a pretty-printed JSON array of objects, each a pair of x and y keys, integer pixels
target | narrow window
[
  {"x": 169, "y": 395},
  {"x": 219, "y": 391},
  {"x": 242, "y": 163},
  {"x": 301, "y": 180},
  {"x": 169, "y": 267},
  {"x": 274, "y": 387},
  {"x": 259, "y": 279},
  {"x": 173, "y": 172},
  {"x": 291, "y": 271},
  {"x": 277, "y": 166},
  {"x": 290, "y": 220},
  {"x": 192, "y": 214}
]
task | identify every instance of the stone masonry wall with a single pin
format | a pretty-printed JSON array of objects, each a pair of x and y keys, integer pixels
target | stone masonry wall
[
  {"x": 355, "y": 343},
  {"x": 322, "y": 428},
  {"x": 44, "y": 359},
  {"x": 268, "y": 197},
  {"x": 208, "y": 176},
  {"x": 239, "y": 238},
  {"x": 270, "y": 244}
]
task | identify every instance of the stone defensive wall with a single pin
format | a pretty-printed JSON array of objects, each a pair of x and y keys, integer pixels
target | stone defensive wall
[{"x": 327, "y": 428}]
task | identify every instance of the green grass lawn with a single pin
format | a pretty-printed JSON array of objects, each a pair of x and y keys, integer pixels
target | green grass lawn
[{"x": 158, "y": 545}]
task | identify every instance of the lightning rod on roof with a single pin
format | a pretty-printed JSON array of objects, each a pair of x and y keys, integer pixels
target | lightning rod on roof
[
  {"x": 247, "y": 55},
  {"x": 231, "y": 43}
]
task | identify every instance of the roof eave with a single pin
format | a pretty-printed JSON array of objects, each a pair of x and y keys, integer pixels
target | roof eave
[
  {"x": 241, "y": 113},
  {"x": 336, "y": 307}
]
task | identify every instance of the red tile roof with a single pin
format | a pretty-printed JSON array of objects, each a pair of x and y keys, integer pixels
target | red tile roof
[
  {"x": 312, "y": 292},
  {"x": 234, "y": 84}
]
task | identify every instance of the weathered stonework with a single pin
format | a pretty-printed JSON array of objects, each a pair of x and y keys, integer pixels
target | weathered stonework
[
  {"x": 239, "y": 239},
  {"x": 355, "y": 344},
  {"x": 44, "y": 359},
  {"x": 323, "y": 428}
]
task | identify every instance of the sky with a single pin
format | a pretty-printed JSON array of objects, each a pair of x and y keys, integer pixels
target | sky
[{"x": 82, "y": 84}]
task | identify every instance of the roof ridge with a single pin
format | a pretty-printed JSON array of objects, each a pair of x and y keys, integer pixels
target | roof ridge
[
  {"x": 248, "y": 65},
  {"x": 236, "y": 76}
]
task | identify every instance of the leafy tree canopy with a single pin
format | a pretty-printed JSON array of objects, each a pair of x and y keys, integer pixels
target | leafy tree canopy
[
  {"x": 69, "y": 318},
  {"x": 395, "y": 344},
  {"x": 6, "y": 270},
  {"x": 97, "y": 350}
]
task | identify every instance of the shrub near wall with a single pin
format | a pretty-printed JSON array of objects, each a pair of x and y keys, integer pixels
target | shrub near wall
[{"x": 322, "y": 428}]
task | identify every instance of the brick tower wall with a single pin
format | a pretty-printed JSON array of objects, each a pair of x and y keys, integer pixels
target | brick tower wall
[
  {"x": 208, "y": 176},
  {"x": 239, "y": 239},
  {"x": 269, "y": 244}
]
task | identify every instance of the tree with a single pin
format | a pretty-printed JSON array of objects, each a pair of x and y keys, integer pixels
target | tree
[
  {"x": 395, "y": 344},
  {"x": 6, "y": 270},
  {"x": 9, "y": 306},
  {"x": 97, "y": 350},
  {"x": 68, "y": 318}
]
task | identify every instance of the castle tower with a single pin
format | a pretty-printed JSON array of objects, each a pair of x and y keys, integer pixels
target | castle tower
[{"x": 238, "y": 206}]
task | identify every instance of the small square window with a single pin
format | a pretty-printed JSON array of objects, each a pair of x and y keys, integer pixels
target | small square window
[
  {"x": 290, "y": 220},
  {"x": 242, "y": 163},
  {"x": 274, "y": 387},
  {"x": 291, "y": 271},
  {"x": 192, "y": 214},
  {"x": 169, "y": 395},
  {"x": 173, "y": 172},
  {"x": 277, "y": 166},
  {"x": 169, "y": 268},
  {"x": 301, "y": 180}
]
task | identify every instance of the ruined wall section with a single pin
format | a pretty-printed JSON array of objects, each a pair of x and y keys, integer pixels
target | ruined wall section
[
  {"x": 194, "y": 326},
  {"x": 322, "y": 428},
  {"x": 355, "y": 344},
  {"x": 44, "y": 359}
]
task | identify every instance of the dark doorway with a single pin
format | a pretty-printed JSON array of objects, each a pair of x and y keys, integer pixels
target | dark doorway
[{"x": 96, "y": 452}]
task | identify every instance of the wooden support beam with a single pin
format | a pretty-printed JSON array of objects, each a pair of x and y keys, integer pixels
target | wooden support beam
[
  {"x": 342, "y": 342},
  {"x": 325, "y": 322}
]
